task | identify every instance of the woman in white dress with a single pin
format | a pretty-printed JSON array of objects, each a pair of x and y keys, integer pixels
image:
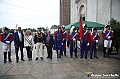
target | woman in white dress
[{"x": 28, "y": 43}]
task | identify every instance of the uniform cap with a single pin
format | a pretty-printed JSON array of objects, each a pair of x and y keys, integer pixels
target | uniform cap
[
  {"x": 59, "y": 27},
  {"x": 39, "y": 27},
  {"x": 107, "y": 26},
  {"x": 5, "y": 28},
  {"x": 84, "y": 25},
  {"x": 63, "y": 26},
  {"x": 94, "y": 28},
  {"x": 72, "y": 28}
]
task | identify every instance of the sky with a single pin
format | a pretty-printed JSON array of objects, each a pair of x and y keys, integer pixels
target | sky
[{"x": 29, "y": 13}]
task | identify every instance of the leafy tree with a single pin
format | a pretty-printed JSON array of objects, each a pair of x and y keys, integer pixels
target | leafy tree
[
  {"x": 0, "y": 30},
  {"x": 43, "y": 28},
  {"x": 54, "y": 27},
  {"x": 11, "y": 31},
  {"x": 115, "y": 26}
]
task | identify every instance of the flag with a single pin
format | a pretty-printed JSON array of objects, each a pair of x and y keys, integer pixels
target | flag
[{"x": 81, "y": 28}]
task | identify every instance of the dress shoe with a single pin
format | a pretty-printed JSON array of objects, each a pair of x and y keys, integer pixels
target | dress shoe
[
  {"x": 22, "y": 59},
  {"x": 36, "y": 58},
  {"x": 59, "y": 57},
  {"x": 41, "y": 58},
  {"x": 10, "y": 61},
  {"x": 91, "y": 58},
  {"x": 104, "y": 56},
  {"x": 71, "y": 56},
  {"x": 81, "y": 57},
  {"x": 4, "y": 61},
  {"x": 48, "y": 57},
  {"x": 17, "y": 61},
  {"x": 76, "y": 56},
  {"x": 96, "y": 57}
]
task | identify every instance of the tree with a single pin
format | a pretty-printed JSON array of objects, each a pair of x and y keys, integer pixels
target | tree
[
  {"x": 115, "y": 26},
  {"x": 43, "y": 28},
  {"x": 47, "y": 28},
  {"x": 0, "y": 30},
  {"x": 54, "y": 27},
  {"x": 11, "y": 31}
]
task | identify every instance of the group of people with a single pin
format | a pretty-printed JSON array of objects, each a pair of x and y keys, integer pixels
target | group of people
[
  {"x": 74, "y": 36},
  {"x": 56, "y": 42},
  {"x": 27, "y": 41},
  {"x": 90, "y": 39}
]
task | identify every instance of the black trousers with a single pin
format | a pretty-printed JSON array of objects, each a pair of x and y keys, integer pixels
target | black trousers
[
  {"x": 5, "y": 56},
  {"x": 29, "y": 53},
  {"x": 63, "y": 52},
  {"x": 49, "y": 51},
  {"x": 68, "y": 43},
  {"x": 16, "y": 51},
  {"x": 59, "y": 53},
  {"x": 108, "y": 52}
]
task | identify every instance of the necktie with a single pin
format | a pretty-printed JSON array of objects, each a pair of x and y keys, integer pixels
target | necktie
[{"x": 48, "y": 38}]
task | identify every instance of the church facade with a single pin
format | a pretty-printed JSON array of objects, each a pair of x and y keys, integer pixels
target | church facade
[{"x": 100, "y": 11}]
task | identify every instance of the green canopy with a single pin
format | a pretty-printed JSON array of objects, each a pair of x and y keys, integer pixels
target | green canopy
[
  {"x": 69, "y": 26},
  {"x": 88, "y": 23}
]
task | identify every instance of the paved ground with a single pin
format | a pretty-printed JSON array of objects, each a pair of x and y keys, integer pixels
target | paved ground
[{"x": 64, "y": 68}]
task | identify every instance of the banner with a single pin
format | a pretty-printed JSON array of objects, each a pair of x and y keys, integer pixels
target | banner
[{"x": 81, "y": 28}]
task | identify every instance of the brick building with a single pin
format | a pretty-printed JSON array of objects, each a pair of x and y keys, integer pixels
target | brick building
[{"x": 64, "y": 12}]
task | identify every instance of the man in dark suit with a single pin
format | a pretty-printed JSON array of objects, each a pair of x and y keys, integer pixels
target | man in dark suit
[
  {"x": 49, "y": 44},
  {"x": 19, "y": 43}
]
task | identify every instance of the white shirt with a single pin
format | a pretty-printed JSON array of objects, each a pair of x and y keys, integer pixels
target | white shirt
[
  {"x": 26, "y": 42},
  {"x": 20, "y": 35}
]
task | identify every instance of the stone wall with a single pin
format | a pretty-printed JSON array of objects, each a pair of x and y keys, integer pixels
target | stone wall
[
  {"x": 115, "y": 9},
  {"x": 103, "y": 11},
  {"x": 91, "y": 10},
  {"x": 100, "y": 11}
]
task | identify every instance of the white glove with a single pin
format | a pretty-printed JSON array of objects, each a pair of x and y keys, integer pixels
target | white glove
[
  {"x": 109, "y": 37},
  {"x": 62, "y": 43},
  {"x": 88, "y": 44},
  {"x": 74, "y": 39},
  {"x": 35, "y": 46},
  {"x": 8, "y": 42},
  {"x": 96, "y": 41},
  {"x": 43, "y": 44}
]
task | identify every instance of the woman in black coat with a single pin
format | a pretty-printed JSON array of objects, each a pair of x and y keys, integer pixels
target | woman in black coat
[{"x": 49, "y": 44}]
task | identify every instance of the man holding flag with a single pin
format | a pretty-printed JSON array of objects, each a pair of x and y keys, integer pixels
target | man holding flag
[{"x": 85, "y": 38}]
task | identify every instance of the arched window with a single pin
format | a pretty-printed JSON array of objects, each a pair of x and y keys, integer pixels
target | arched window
[{"x": 82, "y": 11}]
